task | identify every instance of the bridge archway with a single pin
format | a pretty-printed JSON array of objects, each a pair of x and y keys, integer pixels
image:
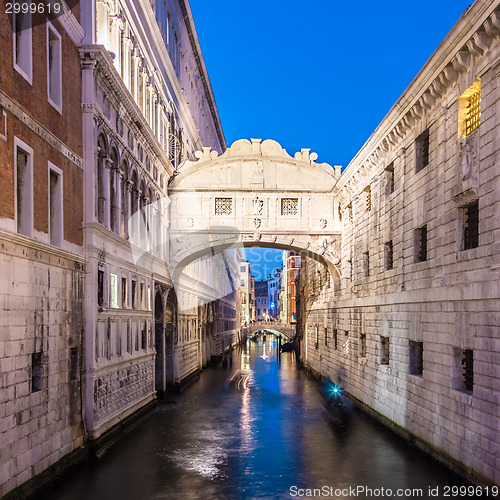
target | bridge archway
[{"x": 255, "y": 194}]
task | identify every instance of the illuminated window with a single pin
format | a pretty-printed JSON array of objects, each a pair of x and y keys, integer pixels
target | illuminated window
[
  {"x": 113, "y": 288},
  {"x": 223, "y": 206},
  {"x": 469, "y": 110},
  {"x": 289, "y": 206}
]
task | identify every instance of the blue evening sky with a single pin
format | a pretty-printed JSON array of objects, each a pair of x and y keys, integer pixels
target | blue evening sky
[{"x": 319, "y": 74}]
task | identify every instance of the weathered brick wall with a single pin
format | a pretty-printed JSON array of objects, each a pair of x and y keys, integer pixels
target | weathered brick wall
[{"x": 41, "y": 294}]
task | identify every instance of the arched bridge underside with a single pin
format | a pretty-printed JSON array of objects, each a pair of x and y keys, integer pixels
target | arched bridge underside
[
  {"x": 286, "y": 329},
  {"x": 255, "y": 194}
]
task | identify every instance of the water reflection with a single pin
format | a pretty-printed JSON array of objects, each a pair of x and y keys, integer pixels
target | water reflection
[{"x": 251, "y": 432}]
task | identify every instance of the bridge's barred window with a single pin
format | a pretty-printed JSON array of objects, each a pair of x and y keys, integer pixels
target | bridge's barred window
[
  {"x": 389, "y": 179},
  {"x": 470, "y": 217},
  {"x": 368, "y": 197},
  {"x": 384, "y": 350},
  {"x": 416, "y": 358},
  {"x": 362, "y": 345},
  {"x": 463, "y": 370},
  {"x": 422, "y": 151},
  {"x": 335, "y": 339},
  {"x": 420, "y": 244},
  {"x": 469, "y": 110},
  {"x": 223, "y": 206},
  {"x": 389, "y": 255},
  {"x": 289, "y": 206}
]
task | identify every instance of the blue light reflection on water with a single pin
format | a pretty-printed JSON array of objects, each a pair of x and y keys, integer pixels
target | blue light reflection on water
[{"x": 252, "y": 440}]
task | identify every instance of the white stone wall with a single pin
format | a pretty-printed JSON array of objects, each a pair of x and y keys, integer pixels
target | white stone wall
[
  {"x": 451, "y": 301},
  {"x": 41, "y": 292}
]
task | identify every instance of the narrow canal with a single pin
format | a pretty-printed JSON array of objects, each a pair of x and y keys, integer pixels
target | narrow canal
[{"x": 262, "y": 436}]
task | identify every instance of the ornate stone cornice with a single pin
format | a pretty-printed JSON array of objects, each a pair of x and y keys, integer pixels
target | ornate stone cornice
[{"x": 470, "y": 39}]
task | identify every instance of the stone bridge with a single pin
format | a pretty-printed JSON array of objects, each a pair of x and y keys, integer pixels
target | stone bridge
[
  {"x": 286, "y": 329},
  {"x": 255, "y": 194}
]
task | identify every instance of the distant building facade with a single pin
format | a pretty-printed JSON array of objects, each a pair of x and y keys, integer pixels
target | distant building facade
[
  {"x": 261, "y": 301},
  {"x": 274, "y": 286}
]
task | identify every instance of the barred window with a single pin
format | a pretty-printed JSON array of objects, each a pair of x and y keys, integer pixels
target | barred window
[
  {"x": 389, "y": 176},
  {"x": 362, "y": 345},
  {"x": 384, "y": 350},
  {"x": 420, "y": 244},
  {"x": 468, "y": 367},
  {"x": 471, "y": 225},
  {"x": 389, "y": 256},
  {"x": 368, "y": 197},
  {"x": 422, "y": 151},
  {"x": 469, "y": 110},
  {"x": 223, "y": 206},
  {"x": 335, "y": 339},
  {"x": 416, "y": 358},
  {"x": 289, "y": 206}
]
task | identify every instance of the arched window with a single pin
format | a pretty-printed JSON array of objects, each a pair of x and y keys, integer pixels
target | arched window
[
  {"x": 124, "y": 199},
  {"x": 114, "y": 189},
  {"x": 134, "y": 207},
  {"x": 100, "y": 180}
]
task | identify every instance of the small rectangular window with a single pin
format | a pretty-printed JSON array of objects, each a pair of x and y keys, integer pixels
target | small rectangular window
[
  {"x": 469, "y": 110},
  {"x": 142, "y": 302},
  {"x": 368, "y": 197},
  {"x": 384, "y": 350},
  {"x": 36, "y": 371},
  {"x": 22, "y": 28},
  {"x": 366, "y": 264},
  {"x": 389, "y": 179},
  {"x": 388, "y": 254},
  {"x": 325, "y": 330},
  {"x": 317, "y": 337},
  {"x": 422, "y": 151},
  {"x": 471, "y": 225},
  {"x": 223, "y": 206},
  {"x": 289, "y": 206},
  {"x": 24, "y": 187},
  {"x": 55, "y": 206},
  {"x": 416, "y": 358},
  {"x": 420, "y": 244},
  {"x": 54, "y": 67},
  {"x": 335, "y": 339},
  {"x": 362, "y": 345}
]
